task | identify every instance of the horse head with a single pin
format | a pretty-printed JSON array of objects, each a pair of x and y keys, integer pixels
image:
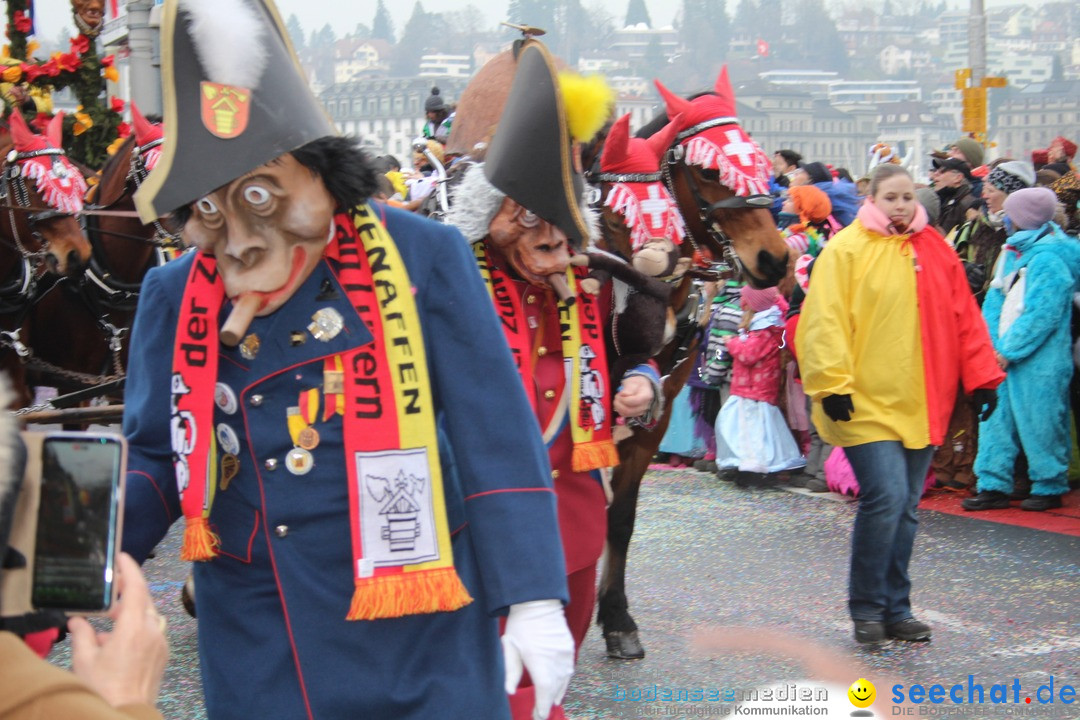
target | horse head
[
  {"x": 125, "y": 248},
  {"x": 39, "y": 217},
  {"x": 640, "y": 220},
  {"x": 720, "y": 178}
]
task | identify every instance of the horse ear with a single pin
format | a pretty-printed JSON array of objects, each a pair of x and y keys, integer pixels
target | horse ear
[
  {"x": 54, "y": 132},
  {"x": 725, "y": 92},
  {"x": 145, "y": 131},
  {"x": 618, "y": 140},
  {"x": 674, "y": 103},
  {"x": 25, "y": 140},
  {"x": 660, "y": 141}
]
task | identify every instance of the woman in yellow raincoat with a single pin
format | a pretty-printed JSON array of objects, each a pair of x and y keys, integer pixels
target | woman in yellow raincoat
[{"x": 888, "y": 332}]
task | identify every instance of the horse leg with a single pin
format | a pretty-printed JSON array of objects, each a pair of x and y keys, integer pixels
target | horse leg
[
  {"x": 620, "y": 630},
  {"x": 635, "y": 453}
]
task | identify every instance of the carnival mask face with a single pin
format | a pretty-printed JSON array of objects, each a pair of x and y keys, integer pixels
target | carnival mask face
[
  {"x": 89, "y": 11},
  {"x": 535, "y": 248},
  {"x": 267, "y": 230}
]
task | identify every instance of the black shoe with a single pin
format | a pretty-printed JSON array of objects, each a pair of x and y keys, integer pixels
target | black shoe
[
  {"x": 746, "y": 479},
  {"x": 1038, "y": 503},
  {"x": 1019, "y": 495},
  {"x": 817, "y": 485},
  {"x": 708, "y": 466},
  {"x": 987, "y": 500},
  {"x": 910, "y": 630},
  {"x": 870, "y": 632},
  {"x": 798, "y": 479},
  {"x": 726, "y": 474}
]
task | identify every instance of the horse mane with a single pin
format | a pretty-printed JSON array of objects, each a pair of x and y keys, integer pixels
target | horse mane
[{"x": 112, "y": 179}]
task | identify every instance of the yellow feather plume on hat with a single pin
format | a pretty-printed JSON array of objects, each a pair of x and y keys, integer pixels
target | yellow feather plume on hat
[{"x": 588, "y": 101}]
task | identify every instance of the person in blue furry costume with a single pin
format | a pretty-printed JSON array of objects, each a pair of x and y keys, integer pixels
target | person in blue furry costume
[{"x": 1027, "y": 310}]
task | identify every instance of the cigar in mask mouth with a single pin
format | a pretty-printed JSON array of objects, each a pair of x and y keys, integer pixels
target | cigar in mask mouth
[
  {"x": 243, "y": 312},
  {"x": 557, "y": 281}
]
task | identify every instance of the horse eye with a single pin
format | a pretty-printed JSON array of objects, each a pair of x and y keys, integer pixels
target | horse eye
[
  {"x": 529, "y": 219},
  {"x": 711, "y": 175},
  {"x": 206, "y": 206},
  {"x": 256, "y": 195}
]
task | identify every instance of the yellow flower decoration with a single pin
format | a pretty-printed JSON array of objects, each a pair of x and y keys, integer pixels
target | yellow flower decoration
[
  {"x": 112, "y": 74},
  {"x": 83, "y": 122},
  {"x": 6, "y": 51},
  {"x": 115, "y": 145},
  {"x": 12, "y": 74},
  {"x": 32, "y": 47}
]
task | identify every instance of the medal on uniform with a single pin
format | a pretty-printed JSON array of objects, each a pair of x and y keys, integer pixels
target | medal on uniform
[
  {"x": 308, "y": 438},
  {"x": 230, "y": 466},
  {"x": 297, "y": 338},
  {"x": 299, "y": 461},
  {"x": 333, "y": 387},
  {"x": 300, "y": 419},
  {"x": 326, "y": 324},
  {"x": 249, "y": 346}
]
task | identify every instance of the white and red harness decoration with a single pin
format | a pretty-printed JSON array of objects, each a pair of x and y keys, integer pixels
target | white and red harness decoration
[
  {"x": 743, "y": 165},
  {"x": 648, "y": 210}
]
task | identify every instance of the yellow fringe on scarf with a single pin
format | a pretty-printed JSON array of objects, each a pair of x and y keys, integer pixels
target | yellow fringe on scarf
[{"x": 594, "y": 455}]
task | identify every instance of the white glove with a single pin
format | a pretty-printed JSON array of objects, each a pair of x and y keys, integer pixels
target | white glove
[{"x": 537, "y": 637}]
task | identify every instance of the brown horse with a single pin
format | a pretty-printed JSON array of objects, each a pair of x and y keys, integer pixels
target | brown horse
[
  {"x": 78, "y": 328},
  {"x": 41, "y": 194},
  {"x": 720, "y": 186}
]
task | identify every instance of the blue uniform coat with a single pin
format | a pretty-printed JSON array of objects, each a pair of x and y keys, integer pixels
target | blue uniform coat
[{"x": 273, "y": 638}]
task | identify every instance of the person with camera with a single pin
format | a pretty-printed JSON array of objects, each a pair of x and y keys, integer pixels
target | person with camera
[{"x": 114, "y": 674}]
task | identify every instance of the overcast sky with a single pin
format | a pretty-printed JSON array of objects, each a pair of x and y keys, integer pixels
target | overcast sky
[{"x": 343, "y": 15}]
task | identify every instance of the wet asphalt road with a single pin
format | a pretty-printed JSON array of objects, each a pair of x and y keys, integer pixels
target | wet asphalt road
[{"x": 737, "y": 589}]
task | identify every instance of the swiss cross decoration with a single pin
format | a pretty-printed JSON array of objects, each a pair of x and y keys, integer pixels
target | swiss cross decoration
[
  {"x": 648, "y": 210},
  {"x": 743, "y": 166}
]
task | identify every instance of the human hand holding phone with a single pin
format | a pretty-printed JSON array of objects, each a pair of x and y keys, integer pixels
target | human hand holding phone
[{"x": 124, "y": 666}]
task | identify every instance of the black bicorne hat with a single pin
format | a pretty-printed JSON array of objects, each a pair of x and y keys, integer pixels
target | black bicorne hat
[
  {"x": 235, "y": 98},
  {"x": 530, "y": 156}
]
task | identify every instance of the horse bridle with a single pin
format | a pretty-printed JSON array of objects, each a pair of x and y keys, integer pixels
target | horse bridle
[
  {"x": 13, "y": 185},
  {"x": 675, "y": 156}
]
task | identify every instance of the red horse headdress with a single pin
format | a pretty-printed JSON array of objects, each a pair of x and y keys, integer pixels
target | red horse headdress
[
  {"x": 147, "y": 134},
  {"x": 712, "y": 138},
  {"x": 59, "y": 182},
  {"x": 633, "y": 165}
]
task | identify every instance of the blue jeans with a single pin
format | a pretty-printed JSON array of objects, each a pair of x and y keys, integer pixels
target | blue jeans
[{"x": 891, "y": 481}]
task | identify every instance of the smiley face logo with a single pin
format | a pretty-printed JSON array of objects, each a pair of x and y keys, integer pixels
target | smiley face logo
[{"x": 861, "y": 693}]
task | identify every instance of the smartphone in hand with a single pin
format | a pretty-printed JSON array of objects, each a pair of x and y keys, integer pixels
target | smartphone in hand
[{"x": 78, "y": 521}]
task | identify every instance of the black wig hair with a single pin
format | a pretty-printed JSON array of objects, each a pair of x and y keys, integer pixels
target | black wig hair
[{"x": 345, "y": 169}]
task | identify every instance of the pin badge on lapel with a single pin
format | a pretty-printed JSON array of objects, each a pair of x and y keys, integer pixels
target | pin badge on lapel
[
  {"x": 249, "y": 346},
  {"x": 326, "y": 324},
  {"x": 299, "y": 461},
  {"x": 230, "y": 466}
]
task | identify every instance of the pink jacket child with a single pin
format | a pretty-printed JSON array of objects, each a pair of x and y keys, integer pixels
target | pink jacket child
[{"x": 755, "y": 353}]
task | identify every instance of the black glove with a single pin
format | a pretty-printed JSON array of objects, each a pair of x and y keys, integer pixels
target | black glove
[
  {"x": 985, "y": 400},
  {"x": 838, "y": 407}
]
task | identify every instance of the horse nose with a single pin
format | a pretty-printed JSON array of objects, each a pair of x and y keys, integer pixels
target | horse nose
[{"x": 771, "y": 268}]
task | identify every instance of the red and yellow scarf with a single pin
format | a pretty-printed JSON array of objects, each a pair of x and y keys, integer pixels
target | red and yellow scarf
[
  {"x": 582, "y": 339},
  {"x": 392, "y": 457}
]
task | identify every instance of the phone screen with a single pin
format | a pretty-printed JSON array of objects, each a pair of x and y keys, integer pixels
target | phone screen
[{"x": 77, "y": 523}]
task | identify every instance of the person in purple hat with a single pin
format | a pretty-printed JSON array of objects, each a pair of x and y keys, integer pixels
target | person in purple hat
[{"x": 1027, "y": 309}]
